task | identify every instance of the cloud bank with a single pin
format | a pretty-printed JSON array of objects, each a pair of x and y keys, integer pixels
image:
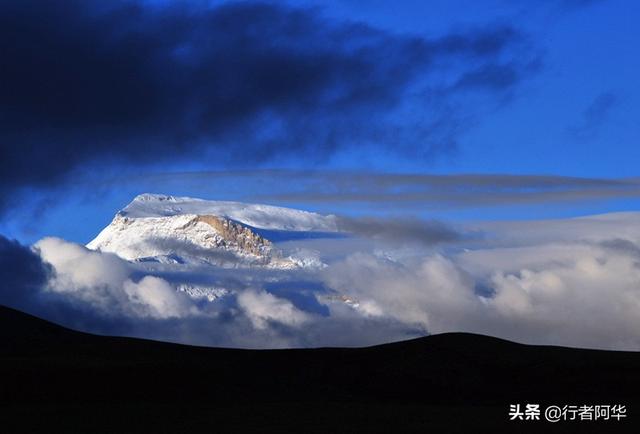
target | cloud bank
[
  {"x": 545, "y": 285},
  {"x": 103, "y": 282}
]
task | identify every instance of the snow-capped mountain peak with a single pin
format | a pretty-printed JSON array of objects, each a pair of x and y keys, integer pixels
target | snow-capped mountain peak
[{"x": 180, "y": 230}]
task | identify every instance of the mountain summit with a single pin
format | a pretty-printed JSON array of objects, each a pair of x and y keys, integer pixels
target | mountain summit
[{"x": 168, "y": 229}]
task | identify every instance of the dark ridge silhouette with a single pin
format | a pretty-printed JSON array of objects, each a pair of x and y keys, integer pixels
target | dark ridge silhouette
[{"x": 58, "y": 380}]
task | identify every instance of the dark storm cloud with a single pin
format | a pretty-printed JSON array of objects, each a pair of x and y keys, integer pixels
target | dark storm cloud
[
  {"x": 245, "y": 82},
  {"x": 22, "y": 273},
  {"x": 594, "y": 116}
]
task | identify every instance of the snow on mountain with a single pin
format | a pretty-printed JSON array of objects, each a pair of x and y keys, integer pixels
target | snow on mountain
[
  {"x": 182, "y": 230},
  {"x": 203, "y": 292},
  {"x": 254, "y": 215}
]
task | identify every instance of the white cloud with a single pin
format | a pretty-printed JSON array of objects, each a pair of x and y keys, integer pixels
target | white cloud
[
  {"x": 103, "y": 281},
  {"x": 430, "y": 291},
  {"x": 573, "y": 294},
  {"x": 593, "y": 301},
  {"x": 155, "y": 297},
  {"x": 262, "y": 307},
  {"x": 78, "y": 268}
]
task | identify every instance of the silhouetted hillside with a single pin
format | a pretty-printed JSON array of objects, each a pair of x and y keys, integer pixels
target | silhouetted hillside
[{"x": 58, "y": 380}]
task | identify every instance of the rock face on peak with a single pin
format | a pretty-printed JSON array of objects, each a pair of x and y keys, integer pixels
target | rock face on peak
[
  {"x": 232, "y": 234},
  {"x": 178, "y": 230}
]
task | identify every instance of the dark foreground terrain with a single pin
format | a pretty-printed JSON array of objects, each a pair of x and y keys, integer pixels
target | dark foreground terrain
[{"x": 57, "y": 380}]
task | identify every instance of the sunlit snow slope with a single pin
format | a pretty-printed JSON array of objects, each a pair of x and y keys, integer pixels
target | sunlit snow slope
[{"x": 172, "y": 229}]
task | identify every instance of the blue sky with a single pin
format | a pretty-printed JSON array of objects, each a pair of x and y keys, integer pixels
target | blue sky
[
  {"x": 588, "y": 49},
  {"x": 556, "y": 94}
]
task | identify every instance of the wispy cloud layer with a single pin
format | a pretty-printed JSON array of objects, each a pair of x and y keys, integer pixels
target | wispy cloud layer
[
  {"x": 399, "y": 230},
  {"x": 594, "y": 116},
  {"x": 382, "y": 189}
]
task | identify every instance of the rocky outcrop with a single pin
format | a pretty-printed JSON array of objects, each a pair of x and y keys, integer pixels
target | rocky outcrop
[{"x": 234, "y": 234}]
